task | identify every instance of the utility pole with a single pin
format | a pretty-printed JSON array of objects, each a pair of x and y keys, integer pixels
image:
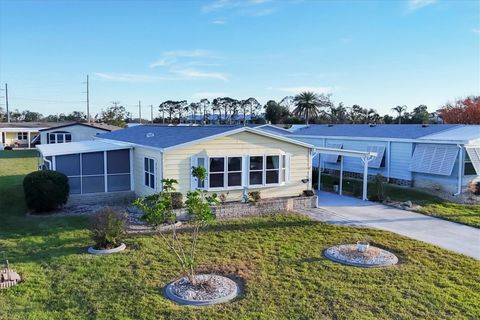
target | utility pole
[
  {"x": 139, "y": 111},
  {"x": 88, "y": 101},
  {"x": 6, "y": 102},
  {"x": 151, "y": 113}
]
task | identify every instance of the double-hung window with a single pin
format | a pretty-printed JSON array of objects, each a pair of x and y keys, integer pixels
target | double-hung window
[
  {"x": 256, "y": 170},
  {"x": 59, "y": 137},
  {"x": 234, "y": 171},
  {"x": 273, "y": 170},
  {"x": 149, "y": 168},
  {"x": 217, "y": 172}
]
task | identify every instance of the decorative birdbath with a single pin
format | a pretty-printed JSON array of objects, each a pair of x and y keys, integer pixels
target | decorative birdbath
[
  {"x": 210, "y": 289},
  {"x": 361, "y": 254},
  {"x": 8, "y": 277}
]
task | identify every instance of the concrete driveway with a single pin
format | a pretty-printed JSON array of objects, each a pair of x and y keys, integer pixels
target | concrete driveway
[{"x": 349, "y": 211}]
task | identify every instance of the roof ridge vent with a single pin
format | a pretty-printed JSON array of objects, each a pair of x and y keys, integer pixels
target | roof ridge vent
[
  {"x": 425, "y": 125},
  {"x": 372, "y": 125},
  {"x": 150, "y": 135},
  {"x": 330, "y": 125}
]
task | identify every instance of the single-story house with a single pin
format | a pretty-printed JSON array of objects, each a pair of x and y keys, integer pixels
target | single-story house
[
  {"x": 439, "y": 156},
  {"x": 21, "y": 134},
  {"x": 73, "y": 132},
  {"x": 136, "y": 159}
]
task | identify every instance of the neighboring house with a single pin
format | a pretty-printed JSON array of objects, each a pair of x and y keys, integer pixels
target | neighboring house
[
  {"x": 21, "y": 134},
  {"x": 136, "y": 159},
  {"x": 73, "y": 132},
  {"x": 437, "y": 156}
]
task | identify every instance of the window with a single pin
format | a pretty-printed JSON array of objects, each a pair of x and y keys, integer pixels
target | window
[
  {"x": 333, "y": 158},
  {"x": 379, "y": 160},
  {"x": 149, "y": 168},
  {"x": 273, "y": 170},
  {"x": 472, "y": 161},
  {"x": 256, "y": 170},
  {"x": 235, "y": 171},
  {"x": 93, "y": 170},
  {"x": 217, "y": 172},
  {"x": 22, "y": 135},
  {"x": 118, "y": 170},
  {"x": 59, "y": 137}
]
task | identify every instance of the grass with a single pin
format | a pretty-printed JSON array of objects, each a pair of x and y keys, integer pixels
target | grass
[
  {"x": 278, "y": 257},
  {"x": 431, "y": 205}
]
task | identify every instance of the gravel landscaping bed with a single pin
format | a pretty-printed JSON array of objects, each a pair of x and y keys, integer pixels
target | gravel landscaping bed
[
  {"x": 349, "y": 255},
  {"x": 210, "y": 289}
]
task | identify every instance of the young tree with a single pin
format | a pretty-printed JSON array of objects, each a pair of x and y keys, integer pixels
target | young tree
[
  {"x": 250, "y": 105},
  {"x": 463, "y": 111},
  {"x": 158, "y": 209},
  {"x": 420, "y": 114},
  {"x": 205, "y": 106},
  {"x": 31, "y": 116}
]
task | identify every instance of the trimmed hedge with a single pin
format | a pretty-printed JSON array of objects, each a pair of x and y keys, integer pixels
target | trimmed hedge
[{"x": 45, "y": 190}]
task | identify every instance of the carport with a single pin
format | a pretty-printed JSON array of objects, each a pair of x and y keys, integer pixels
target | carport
[{"x": 365, "y": 156}]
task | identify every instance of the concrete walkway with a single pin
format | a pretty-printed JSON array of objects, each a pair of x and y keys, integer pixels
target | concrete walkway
[{"x": 349, "y": 211}]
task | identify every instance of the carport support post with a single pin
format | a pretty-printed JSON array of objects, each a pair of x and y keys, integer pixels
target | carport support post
[
  {"x": 319, "y": 171},
  {"x": 29, "y": 135},
  {"x": 341, "y": 176},
  {"x": 365, "y": 178}
]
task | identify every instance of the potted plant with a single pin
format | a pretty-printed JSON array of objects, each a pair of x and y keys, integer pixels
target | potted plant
[{"x": 107, "y": 229}]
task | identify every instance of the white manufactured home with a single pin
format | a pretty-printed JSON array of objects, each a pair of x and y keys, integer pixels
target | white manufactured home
[{"x": 439, "y": 156}]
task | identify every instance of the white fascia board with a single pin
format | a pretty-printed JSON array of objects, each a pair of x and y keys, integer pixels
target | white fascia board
[
  {"x": 345, "y": 152},
  {"x": 272, "y": 126},
  {"x": 418, "y": 140},
  {"x": 20, "y": 129}
]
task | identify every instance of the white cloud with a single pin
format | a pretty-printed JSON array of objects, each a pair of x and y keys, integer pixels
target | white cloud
[
  {"x": 198, "y": 74},
  {"x": 209, "y": 95},
  {"x": 476, "y": 30},
  {"x": 296, "y": 90},
  {"x": 171, "y": 57},
  {"x": 246, "y": 7},
  {"x": 219, "y": 22},
  {"x": 130, "y": 77},
  {"x": 417, "y": 4}
]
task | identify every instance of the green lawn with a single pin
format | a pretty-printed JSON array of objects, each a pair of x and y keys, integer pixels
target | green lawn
[
  {"x": 431, "y": 205},
  {"x": 279, "y": 258}
]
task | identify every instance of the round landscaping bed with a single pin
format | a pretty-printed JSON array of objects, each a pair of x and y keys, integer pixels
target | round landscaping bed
[
  {"x": 358, "y": 256},
  {"x": 121, "y": 247},
  {"x": 210, "y": 289}
]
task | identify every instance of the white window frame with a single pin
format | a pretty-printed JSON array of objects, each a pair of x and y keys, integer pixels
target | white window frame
[
  {"x": 59, "y": 134},
  {"x": 281, "y": 158},
  {"x": 22, "y": 136},
  {"x": 227, "y": 172},
  {"x": 150, "y": 173},
  {"x": 262, "y": 170},
  {"x": 278, "y": 169},
  {"x": 224, "y": 187}
]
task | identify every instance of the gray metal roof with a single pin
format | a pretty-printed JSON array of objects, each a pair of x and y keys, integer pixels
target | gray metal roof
[
  {"x": 396, "y": 131},
  {"x": 160, "y": 136},
  {"x": 272, "y": 128}
]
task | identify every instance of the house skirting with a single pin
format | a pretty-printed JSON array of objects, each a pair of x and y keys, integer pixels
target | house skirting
[
  {"x": 103, "y": 198},
  {"x": 357, "y": 175}
]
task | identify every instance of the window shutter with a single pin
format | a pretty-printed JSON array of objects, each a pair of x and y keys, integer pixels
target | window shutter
[
  {"x": 474, "y": 155},
  {"x": 434, "y": 159},
  {"x": 333, "y": 158},
  {"x": 287, "y": 167},
  {"x": 377, "y": 161},
  {"x": 193, "y": 180}
]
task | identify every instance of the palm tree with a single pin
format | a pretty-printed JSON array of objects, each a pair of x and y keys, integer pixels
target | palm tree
[
  {"x": 400, "y": 110},
  {"x": 307, "y": 104}
]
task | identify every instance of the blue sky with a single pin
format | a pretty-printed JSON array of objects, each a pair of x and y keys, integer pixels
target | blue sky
[{"x": 374, "y": 53}]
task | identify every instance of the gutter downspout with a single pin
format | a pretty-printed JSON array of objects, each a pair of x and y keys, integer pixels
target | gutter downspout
[
  {"x": 389, "y": 146},
  {"x": 460, "y": 171}
]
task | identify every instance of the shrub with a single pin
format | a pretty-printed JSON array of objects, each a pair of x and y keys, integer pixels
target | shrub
[
  {"x": 107, "y": 228},
  {"x": 177, "y": 200},
  {"x": 474, "y": 187},
  {"x": 379, "y": 185},
  {"x": 254, "y": 196},
  {"x": 308, "y": 193},
  {"x": 8, "y": 148},
  {"x": 45, "y": 190}
]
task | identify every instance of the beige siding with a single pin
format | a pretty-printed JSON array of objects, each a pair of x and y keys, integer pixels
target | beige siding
[
  {"x": 178, "y": 162},
  {"x": 11, "y": 138},
  {"x": 139, "y": 154}
]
